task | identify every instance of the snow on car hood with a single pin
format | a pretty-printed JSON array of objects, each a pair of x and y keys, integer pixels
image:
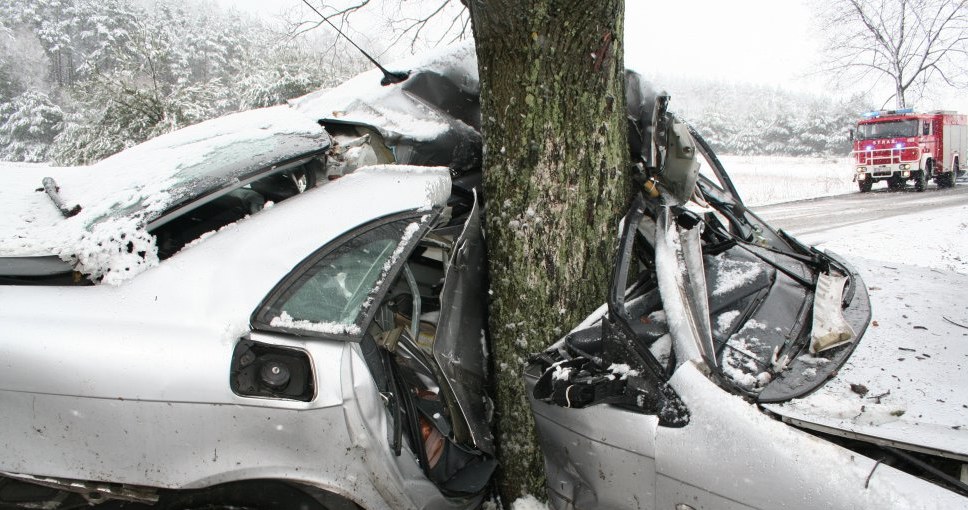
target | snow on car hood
[
  {"x": 121, "y": 194},
  {"x": 904, "y": 385}
]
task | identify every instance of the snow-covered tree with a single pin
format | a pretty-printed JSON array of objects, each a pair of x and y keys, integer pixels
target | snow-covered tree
[
  {"x": 778, "y": 133},
  {"x": 717, "y": 128},
  {"x": 28, "y": 125},
  {"x": 127, "y": 70}
]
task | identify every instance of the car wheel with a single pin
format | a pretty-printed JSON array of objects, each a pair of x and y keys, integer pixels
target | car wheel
[
  {"x": 920, "y": 181},
  {"x": 865, "y": 185}
]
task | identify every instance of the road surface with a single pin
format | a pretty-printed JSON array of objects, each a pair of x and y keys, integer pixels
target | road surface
[{"x": 810, "y": 216}]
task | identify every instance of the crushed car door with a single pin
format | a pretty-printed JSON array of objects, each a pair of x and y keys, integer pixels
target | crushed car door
[{"x": 460, "y": 348}]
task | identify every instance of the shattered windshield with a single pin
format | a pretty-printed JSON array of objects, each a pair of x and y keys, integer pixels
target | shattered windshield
[{"x": 891, "y": 129}]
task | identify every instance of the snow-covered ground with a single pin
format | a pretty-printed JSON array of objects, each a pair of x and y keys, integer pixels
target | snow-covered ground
[
  {"x": 763, "y": 180},
  {"x": 936, "y": 240}
]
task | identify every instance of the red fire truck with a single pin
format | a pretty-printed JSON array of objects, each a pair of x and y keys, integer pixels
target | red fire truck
[{"x": 901, "y": 145}]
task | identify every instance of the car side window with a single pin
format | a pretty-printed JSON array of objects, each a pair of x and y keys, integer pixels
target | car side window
[{"x": 333, "y": 293}]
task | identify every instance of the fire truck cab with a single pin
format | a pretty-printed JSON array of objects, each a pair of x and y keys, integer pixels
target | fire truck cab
[{"x": 900, "y": 145}]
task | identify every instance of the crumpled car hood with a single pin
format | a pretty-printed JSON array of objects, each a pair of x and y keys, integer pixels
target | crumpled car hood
[{"x": 904, "y": 385}]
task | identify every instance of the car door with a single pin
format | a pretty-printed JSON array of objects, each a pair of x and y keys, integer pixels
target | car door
[{"x": 460, "y": 349}]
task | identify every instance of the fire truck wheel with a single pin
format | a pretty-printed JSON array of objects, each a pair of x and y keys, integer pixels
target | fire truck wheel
[
  {"x": 865, "y": 185},
  {"x": 895, "y": 183},
  {"x": 920, "y": 181},
  {"x": 945, "y": 180}
]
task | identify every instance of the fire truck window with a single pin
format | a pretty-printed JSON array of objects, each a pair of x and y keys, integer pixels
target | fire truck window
[{"x": 927, "y": 128}]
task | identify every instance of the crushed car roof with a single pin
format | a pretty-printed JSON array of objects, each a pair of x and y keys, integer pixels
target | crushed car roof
[
  {"x": 431, "y": 119},
  {"x": 364, "y": 100}
]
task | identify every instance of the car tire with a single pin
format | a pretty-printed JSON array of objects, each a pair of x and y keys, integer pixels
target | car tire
[{"x": 865, "y": 185}]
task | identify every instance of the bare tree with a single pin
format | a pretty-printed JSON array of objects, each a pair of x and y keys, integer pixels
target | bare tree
[{"x": 916, "y": 44}]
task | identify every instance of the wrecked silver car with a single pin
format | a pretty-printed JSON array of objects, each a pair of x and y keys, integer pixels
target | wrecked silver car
[
  {"x": 690, "y": 388},
  {"x": 252, "y": 312},
  {"x": 285, "y": 309}
]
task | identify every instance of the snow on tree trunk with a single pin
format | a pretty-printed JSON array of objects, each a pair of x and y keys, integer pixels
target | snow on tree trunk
[{"x": 556, "y": 182}]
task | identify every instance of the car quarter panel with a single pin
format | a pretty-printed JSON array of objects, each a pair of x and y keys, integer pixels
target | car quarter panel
[{"x": 194, "y": 444}]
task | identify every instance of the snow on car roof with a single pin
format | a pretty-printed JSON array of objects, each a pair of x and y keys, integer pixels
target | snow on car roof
[
  {"x": 363, "y": 100},
  {"x": 121, "y": 194}
]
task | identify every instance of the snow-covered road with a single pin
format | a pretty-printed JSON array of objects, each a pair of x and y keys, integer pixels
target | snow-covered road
[{"x": 858, "y": 209}]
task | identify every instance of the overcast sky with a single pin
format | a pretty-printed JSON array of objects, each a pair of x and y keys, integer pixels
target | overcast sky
[{"x": 769, "y": 42}]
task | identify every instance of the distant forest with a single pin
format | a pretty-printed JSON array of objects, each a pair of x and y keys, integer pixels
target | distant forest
[
  {"x": 745, "y": 119},
  {"x": 83, "y": 79}
]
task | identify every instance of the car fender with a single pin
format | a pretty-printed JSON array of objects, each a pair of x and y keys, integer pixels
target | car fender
[{"x": 732, "y": 455}]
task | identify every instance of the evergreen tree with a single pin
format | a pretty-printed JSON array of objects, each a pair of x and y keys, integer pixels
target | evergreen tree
[
  {"x": 28, "y": 125},
  {"x": 126, "y": 70}
]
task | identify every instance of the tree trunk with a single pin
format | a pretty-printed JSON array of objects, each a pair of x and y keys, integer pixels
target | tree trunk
[{"x": 556, "y": 182}]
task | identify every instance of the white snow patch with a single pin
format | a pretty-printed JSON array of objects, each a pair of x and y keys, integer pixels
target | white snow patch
[
  {"x": 284, "y": 320},
  {"x": 942, "y": 239},
  {"x": 762, "y": 180},
  {"x": 622, "y": 370},
  {"x": 561, "y": 373},
  {"x": 725, "y": 320},
  {"x": 528, "y": 502},
  {"x": 662, "y": 349},
  {"x": 733, "y": 274}
]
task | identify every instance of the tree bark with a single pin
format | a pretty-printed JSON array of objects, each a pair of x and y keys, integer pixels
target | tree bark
[{"x": 556, "y": 182}]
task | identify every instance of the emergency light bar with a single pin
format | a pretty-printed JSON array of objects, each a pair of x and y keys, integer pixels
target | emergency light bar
[{"x": 875, "y": 114}]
